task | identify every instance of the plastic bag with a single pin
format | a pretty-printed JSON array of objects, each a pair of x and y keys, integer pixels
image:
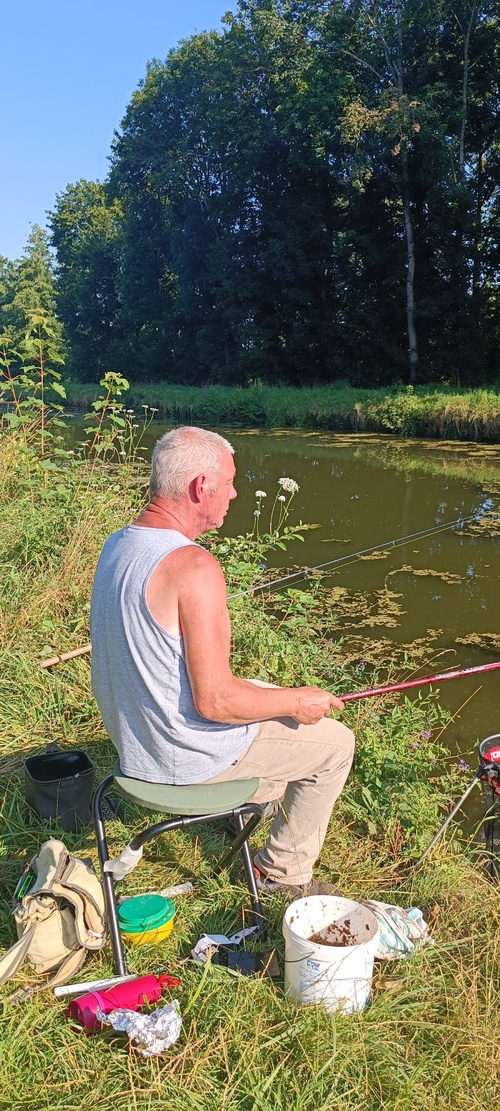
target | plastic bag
[
  {"x": 152, "y": 1033},
  {"x": 401, "y": 932}
]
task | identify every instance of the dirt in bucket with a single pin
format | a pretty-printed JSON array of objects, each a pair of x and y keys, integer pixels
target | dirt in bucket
[{"x": 336, "y": 934}]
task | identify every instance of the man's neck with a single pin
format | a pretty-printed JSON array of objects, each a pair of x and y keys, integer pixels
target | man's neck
[{"x": 161, "y": 513}]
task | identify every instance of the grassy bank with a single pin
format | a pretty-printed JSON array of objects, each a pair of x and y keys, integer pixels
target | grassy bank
[
  {"x": 427, "y": 1039},
  {"x": 429, "y": 412}
]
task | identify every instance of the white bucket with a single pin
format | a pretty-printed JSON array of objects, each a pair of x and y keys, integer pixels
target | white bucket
[{"x": 338, "y": 976}]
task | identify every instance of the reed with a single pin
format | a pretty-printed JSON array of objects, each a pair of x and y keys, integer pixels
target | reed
[{"x": 422, "y": 412}]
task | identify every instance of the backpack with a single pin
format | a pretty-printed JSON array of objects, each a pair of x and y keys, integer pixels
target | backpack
[{"x": 59, "y": 919}]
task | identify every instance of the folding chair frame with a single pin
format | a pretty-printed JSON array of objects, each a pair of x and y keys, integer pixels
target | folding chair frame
[{"x": 250, "y": 810}]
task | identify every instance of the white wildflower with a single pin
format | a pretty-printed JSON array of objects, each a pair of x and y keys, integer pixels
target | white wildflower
[
  {"x": 260, "y": 494},
  {"x": 281, "y": 497},
  {"x": 289, "y": 485},
  {"x": 256, "y": 512}
]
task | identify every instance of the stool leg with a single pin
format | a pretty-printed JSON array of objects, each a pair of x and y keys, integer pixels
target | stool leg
[
  {"x": 120, "y": 964},
  {"x": 258, "y": 914}
]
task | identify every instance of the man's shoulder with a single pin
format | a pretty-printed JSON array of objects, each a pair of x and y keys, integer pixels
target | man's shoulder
[
  {"x": 110, "y": 543},
  {"x": 193, "y": 570},
  {"x": 194, "y": 558}
]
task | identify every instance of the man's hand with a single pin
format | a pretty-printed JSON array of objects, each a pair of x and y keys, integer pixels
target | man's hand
[{"x": 314, "y": 704}]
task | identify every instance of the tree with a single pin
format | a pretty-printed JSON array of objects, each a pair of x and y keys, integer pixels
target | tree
[
  {"x": 228, "y": 215},
  {"x": 8, "y": 279},
  {"x": 30, "y": 294},
  {"x": 313, "y": 193},
  {"x": 416, "y": 66},
  {"x": 85, "y": 228}
]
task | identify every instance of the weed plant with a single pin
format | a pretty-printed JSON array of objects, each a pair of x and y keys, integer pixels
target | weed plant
[
  {"x": 423, "y": 411},
  {"x": 427, "y": 1040}
]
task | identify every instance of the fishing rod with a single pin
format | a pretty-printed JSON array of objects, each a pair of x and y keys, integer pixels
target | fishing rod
[
  {"x": 305, "y": 571},
  {"x": 357, "y": 695}
]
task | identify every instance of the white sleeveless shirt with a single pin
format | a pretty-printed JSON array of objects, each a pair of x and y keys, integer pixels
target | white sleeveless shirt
[{"x": 139, "y": 675}]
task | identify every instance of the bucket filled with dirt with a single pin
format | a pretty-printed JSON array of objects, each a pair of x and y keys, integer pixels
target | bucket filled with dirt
[{"x": 330, "y": 945}]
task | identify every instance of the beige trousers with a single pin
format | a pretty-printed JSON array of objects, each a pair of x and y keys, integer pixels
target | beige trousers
[{"x": 309, "y": 765}]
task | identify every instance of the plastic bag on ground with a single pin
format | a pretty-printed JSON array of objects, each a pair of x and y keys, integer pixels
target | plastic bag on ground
[
  {"x": 152, "y": 1033},
  {"x": 401, "y": 932}
]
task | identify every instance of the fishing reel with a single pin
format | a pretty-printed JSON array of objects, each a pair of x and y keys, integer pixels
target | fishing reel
[{"x": 489, "y": 762}]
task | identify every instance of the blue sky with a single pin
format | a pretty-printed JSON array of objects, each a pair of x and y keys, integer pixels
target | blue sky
[{"x": 69, "y": 69}]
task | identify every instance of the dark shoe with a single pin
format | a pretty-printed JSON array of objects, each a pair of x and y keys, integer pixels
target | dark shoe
[{"x": 313, "y": 887}]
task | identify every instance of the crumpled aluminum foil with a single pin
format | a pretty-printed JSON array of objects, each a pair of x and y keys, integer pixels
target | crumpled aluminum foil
[{"x": 151, "y": 1033}]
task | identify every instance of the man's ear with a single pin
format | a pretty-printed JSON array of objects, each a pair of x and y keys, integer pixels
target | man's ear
[{"x": 199, "y": 487}]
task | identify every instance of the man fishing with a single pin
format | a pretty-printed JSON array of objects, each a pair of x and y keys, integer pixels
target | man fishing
[{"x": 161, "y": 670}]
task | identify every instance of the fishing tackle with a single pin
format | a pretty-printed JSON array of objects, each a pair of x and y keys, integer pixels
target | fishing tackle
[{"x": 488, "y": 772}]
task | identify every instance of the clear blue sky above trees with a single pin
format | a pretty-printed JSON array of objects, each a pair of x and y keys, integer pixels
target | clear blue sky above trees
[{"x": 68, "y": 72}]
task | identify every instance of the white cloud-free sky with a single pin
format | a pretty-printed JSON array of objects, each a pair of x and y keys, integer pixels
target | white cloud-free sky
[{"x": 69, "y": 68}]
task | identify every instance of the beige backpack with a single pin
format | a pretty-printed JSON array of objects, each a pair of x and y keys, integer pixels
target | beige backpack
[{"x": 59, "y": 919}]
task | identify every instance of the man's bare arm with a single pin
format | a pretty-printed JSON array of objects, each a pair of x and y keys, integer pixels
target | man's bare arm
[{"x": 218, "y": 695}]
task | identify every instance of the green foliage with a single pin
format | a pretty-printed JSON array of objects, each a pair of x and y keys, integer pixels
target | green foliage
[
  {"x": 304, "y": 197},
  {"x": 84, "y": 226},
  {"x": 399, "y": 782},
  {"x": 32, "y": 391},
  {"x": 245, "y": 557},
  {"x": 435, "y": 412},
  {"x": 28, "y": 291},
  {"x": 400, "y": 413},
  {"x": 426, "y": 1038},
  {"x": 108, "y": 423}
]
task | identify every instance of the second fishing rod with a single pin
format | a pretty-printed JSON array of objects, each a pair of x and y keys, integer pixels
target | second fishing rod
[{"x": 351, "y": 557}]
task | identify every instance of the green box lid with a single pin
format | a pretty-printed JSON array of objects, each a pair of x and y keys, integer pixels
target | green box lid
[{"x": 145, "y": 912}]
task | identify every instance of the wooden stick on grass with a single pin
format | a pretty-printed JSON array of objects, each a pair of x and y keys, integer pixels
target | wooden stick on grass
[{"x": 66, "y": 656}]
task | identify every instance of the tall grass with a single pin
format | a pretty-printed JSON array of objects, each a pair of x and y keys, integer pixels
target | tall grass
[
  {"x": 424, "y": 412},
  {"x": 428, "y": 1038}
]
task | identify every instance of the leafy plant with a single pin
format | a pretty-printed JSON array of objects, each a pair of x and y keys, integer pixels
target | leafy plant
[{"x": 245, "y": 557}]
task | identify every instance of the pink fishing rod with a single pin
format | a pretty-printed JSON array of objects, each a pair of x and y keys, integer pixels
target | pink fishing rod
[{"x": 418, "y": 682}]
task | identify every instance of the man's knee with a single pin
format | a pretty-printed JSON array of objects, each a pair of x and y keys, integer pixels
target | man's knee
[
  {"x": 348, "y": 741},
  {"x": 338, "y": 735}
]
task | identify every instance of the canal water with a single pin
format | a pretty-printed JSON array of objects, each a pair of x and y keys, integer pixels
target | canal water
[
  {"x": 440, "y": 592},
  {"x": 363, "y": 490}
]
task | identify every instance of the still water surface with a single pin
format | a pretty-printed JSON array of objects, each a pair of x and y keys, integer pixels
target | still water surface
[{"x": 365, "y": 490}]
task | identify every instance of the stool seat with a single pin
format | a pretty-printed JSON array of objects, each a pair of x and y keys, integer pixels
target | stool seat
[{"x": 197, "y": 798}]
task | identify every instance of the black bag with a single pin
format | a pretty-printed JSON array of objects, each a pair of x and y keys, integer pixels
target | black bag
[{"x": 60, "y": 785}]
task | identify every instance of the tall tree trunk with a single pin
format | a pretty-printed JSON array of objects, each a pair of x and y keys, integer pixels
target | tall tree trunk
[
  {"x": 410, "y": 275},
  {"x": 410, "y": 240},
  {"x": 461, "y": 155}
]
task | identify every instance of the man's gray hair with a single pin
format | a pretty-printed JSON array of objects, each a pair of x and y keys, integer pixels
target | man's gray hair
[{"x": 183, "y": 454}]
